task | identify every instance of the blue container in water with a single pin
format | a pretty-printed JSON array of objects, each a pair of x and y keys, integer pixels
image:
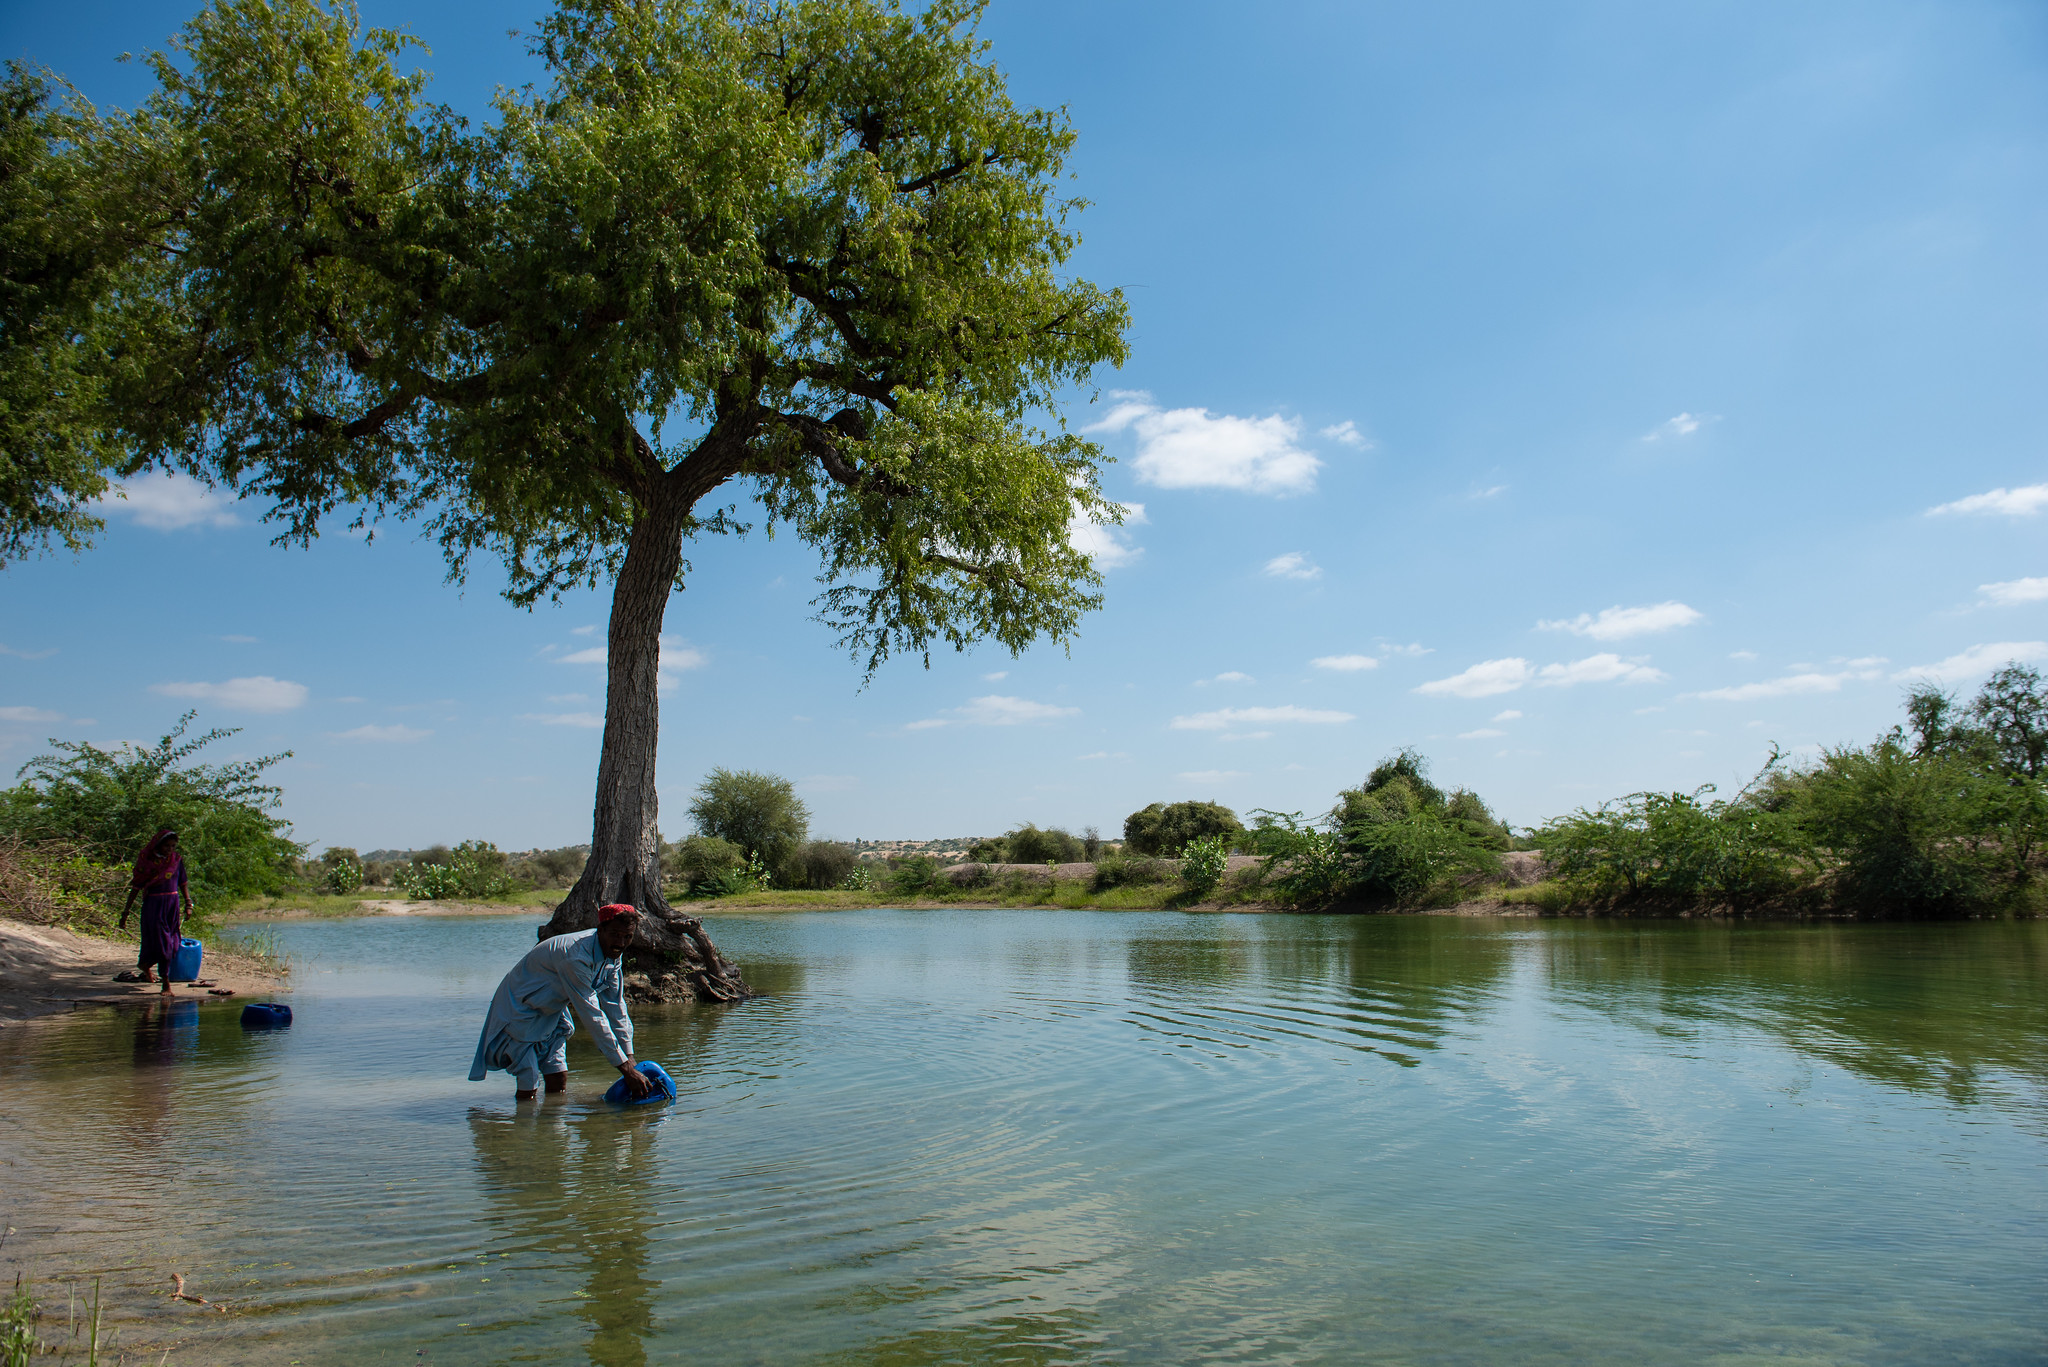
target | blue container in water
[
  {"x": 185, "y": 963},
  {"x": 266, "y": 1016},
  {"x": 664, "y": 1086}
]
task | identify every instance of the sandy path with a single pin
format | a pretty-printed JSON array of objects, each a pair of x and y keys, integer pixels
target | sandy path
[{"x": 46, "y": 969}]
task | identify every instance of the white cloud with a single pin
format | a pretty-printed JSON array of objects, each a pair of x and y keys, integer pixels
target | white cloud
[
  {"x": 168, "y": 502},
  {"x": 1186, "y": 448},
  {"x": 1977, "y": 660},
  {"x": 260, "y": 693},
  {"x": 995, "y": 710},
  {"x": 1225, "y": 718},
  {"x": 1482, "y": 680},
  {"x": 1780, "y": 688},
  {"x": 1491, "y": 491},
  {"x": 1510, "y": 715},
  {"x": 587, "y": 720},
  {"x": 582, "y": 631},
  {"x": 1228, "y": 676},
  {"x": 568, "y": 697},
  {"x": 1483, "y": 733},
  {"x": 1293, "y": 565},
  {"x": 45, "y": 653},
  {"x": 29, "y": 714},
  {"x": 1105, "y": 543},
  {"x": 1210, "y": 776},
  {"x": 1345, "y": 664},
  {"x": 2024, "y": 501},
  {"x": 402, "y": 734},
  {"x": 1684, "y": 425},
  {"x": 996, "y": 677},
  {"x": 1603, "y": 668},
  {"x": 595, "y": 655},
  {"x": 1491, "y": 677},
  {"x": 1619, "y": 623},
  {"x": 2015, "y": 591},
  {"x": 1411, "y": 649},
  {"x": 676, "y": 657},
  {"x": 1742, "y": 654},
  {"x": 1346, "y": 432}
]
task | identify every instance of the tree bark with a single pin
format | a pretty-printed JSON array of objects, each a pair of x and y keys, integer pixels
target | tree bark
[{"x": 671, "y": 958}]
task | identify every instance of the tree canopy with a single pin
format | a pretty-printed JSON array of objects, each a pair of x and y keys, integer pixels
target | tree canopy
[
  {"x": 759, "y": 813},
  {"x": 813, "y": 245}
]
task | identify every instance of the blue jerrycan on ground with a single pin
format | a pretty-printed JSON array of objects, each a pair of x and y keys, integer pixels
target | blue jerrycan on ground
[
  {"x": 664, "y": 1086},
  {"x": 185, "y": 963},
  {"x": 266, "y": 1016}
]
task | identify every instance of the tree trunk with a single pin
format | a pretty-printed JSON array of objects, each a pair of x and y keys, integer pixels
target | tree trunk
[{"x": 671, "y": 958}]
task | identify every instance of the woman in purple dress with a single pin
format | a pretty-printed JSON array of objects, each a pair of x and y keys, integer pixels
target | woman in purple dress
[{"x": 160, "y": 878}]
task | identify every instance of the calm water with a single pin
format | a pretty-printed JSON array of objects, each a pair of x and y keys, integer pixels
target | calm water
[{"x": 1048, "y": 1137}]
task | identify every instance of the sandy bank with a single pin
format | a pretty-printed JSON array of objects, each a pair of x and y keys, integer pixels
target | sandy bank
[{"x": 46, "y": 969}]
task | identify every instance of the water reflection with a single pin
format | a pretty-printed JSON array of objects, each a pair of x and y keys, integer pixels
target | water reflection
[
  {"x": 1935, "y": 1008},
  {"x": 578, "y": 1184}
]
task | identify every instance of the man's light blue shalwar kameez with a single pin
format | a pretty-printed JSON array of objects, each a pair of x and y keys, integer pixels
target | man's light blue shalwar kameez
[{"x": 527, "y": 1031}]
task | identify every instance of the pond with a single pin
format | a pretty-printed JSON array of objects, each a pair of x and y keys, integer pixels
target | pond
[{"x": 1062, "y": 1136}]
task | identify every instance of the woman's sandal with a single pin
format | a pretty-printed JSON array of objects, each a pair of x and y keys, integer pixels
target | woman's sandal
[
  {"x": 129, "y": 975},
  {"x": 220, "y": 991}
]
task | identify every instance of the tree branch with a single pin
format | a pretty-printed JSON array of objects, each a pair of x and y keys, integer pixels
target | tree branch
[{"x": 944, "y": 174}]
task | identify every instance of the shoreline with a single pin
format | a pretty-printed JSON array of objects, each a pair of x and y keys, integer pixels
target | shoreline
[{"x": 48, "y": 970}]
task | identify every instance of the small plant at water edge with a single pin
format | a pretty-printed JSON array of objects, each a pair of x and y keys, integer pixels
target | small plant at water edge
[{"x": 1202, "y": 861}]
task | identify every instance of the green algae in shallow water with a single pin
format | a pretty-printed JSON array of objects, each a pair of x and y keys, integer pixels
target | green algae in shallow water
[{"x": 1049, "y": 1137}]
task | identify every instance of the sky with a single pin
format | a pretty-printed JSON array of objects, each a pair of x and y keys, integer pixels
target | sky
[{"x": 1588, "y": 395}]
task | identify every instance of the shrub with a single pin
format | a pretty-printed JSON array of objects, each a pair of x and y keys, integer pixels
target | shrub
[
  {"x": 760, "y": 813},
  {"x": 1906, "y": 835},
  {"x": 558, "y": 868},
  {"x": 1030, "y": 845},
  {"x": 990, "y": 851},
  {"x": 916, "y": 876},
  {"x": 109, "y": 803},
  {"x": 341, "y": 871},
  {"x": 1672, "y": 844},
  {"x": 1202, "y": 862},
  {"x": 1164, "y": 829},
  {"x": 473, "y": 869},
  {"x": 860, "y": 878},
  {"x": 1117, "y": 871},
  {"x": 701, "y": 861},
  {"x": 1304, "y": 866},
  {"x": 822, "y": 864},
  {"x": 55, "y": 883}
]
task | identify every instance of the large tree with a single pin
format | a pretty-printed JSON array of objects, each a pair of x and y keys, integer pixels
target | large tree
[{"x": 796, "y": 263}]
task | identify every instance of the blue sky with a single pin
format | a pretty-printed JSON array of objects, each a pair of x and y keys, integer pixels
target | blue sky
[{"x": 1589, "y": 395}]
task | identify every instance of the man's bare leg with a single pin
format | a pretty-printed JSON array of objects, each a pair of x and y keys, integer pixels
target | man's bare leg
[{"x": 555, "y": 1082}]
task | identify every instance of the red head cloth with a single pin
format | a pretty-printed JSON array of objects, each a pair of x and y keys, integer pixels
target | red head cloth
[
  {"x": 155, "y": 861},
  {"x": 611, "y": 909}
]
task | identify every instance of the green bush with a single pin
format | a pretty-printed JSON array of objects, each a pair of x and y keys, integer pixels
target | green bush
[
  {"x": 916, "y": 876},
  {"x": 341, "y": 871},
  {"x": 1118, "y": 871},
  {"x": 1304, "y": 866},
  {"x": 475, "y": 870},
  {"x": 111, "y": 802},
  {"x": 1409, "y": 858},
  {"x": 1164, "y": 829},
  {"x": 1202, "y": 862},
  {"x": 822, "y": 865},
  {"x": 1674, "y": 845},
  {"x": 1906, "y": 835},
  {"x": 860, "y": 878},
  {"x": 760, "y": 813},
  {"x": 1030, "y": 845}
]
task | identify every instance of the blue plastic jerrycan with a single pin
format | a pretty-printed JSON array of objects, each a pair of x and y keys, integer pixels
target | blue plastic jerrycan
[
  {"x": 266, "y": 1016},
  {"x": 664, "y": 1087},
  {"x": 185, "y": 963}
]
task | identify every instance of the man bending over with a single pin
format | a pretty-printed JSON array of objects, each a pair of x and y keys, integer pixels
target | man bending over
[{"x": 527, "y": 1031}]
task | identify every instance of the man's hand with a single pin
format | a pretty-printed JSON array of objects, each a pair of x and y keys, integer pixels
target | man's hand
[{"x": 637, "y": 1084}]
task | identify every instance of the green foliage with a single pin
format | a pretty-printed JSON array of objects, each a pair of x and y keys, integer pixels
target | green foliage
[
  {"x": 822, "y": 864},
  {"x": 55, "y": 883},
  {"x": 1118, "y": 871},
  {"x": 990, "y": 851},
  {"x": 557, "y": 868},
  {"x": 111, "y": 802},
  {"x": 475, "y": 869},
  {"x": 1399, "y": 788},
  {"x": 701, "y": 859},
  {"x": 917, "y": 876},
  {"x": 532, "y": 330},
  {"x": 1674, "y": 845},
  {"x": 341, "y": 871},
  {"x": 1030, "y": 845},
  {"x": 60, "y": 249},
  {"x": 1202, "y": 861},
  {"x": 19, "y": 1344},
  {"x": 1305, "y": 866},
  {"x": 860, "y": 878},
  {"x": 760, "y": 813},
  {"x": 1905, "y": 835},
  {"x": 1407, "y": 857},
  {"x": 1164, "y": 829}
]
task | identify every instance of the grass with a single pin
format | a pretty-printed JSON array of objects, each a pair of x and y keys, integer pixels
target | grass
[
  {"x": 351, "y": 904},
  {"x": 21, "y": 1342},
  {"x": 1071, "y": 894}
]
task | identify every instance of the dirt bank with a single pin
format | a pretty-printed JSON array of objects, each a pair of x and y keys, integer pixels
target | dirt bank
[{"x": 45, "y": 969}]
